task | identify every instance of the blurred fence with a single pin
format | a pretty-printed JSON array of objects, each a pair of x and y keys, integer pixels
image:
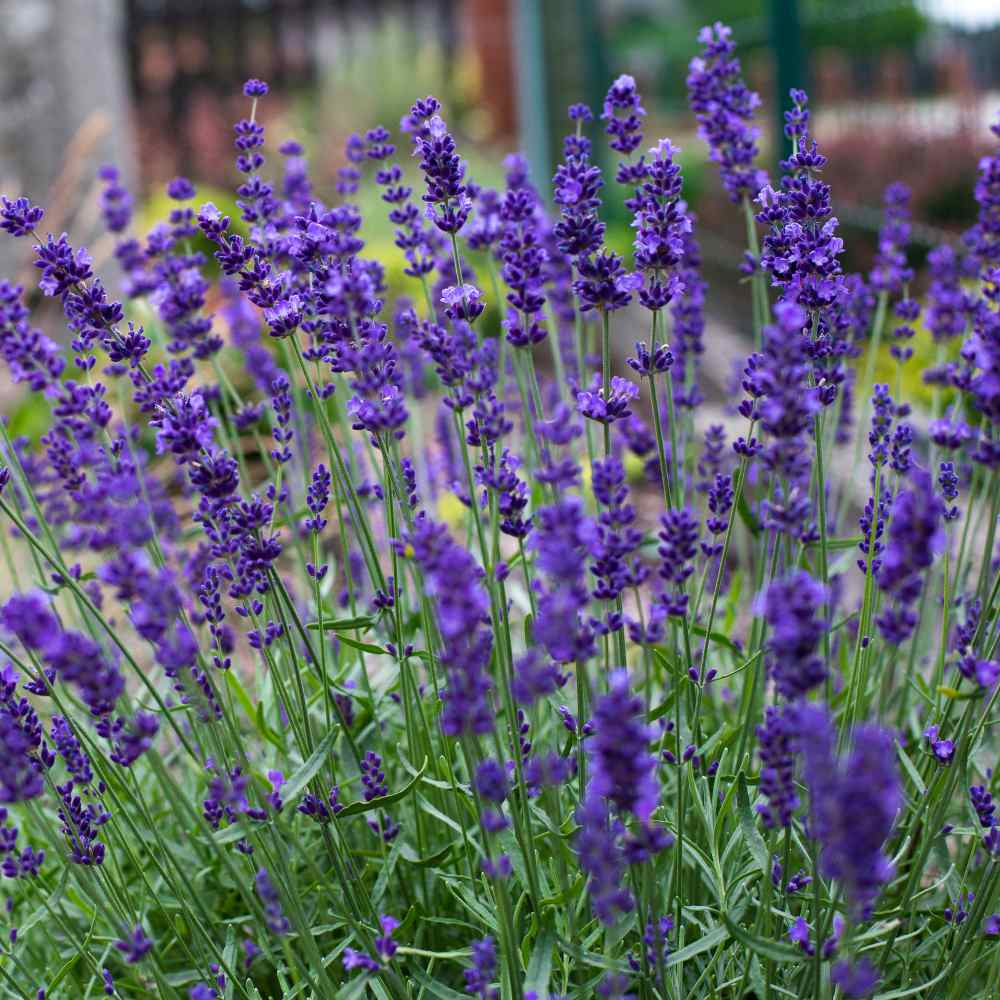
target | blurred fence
[{"x": 188, "y": 57}]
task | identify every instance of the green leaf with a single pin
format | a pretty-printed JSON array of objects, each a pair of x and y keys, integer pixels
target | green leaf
[
  {"x": 746, "y": 515},
  {"x": 255, "y": 715},
  {"x": 431, "y": 810},
  {"x": 464, "y": 892},
  {"x": 746, "y": 663},
  {"x": 565, "y": 896},
  {"x": 838, "y": 544},
  {"x": 262, "y": 727},
  {"x": 298, "y": 781},
  {"x": 365, "y": 647},
  {"x": 665, "y": 706},
  {"x": 911, "y": 771},
  {"x": 229, "y": 955},
  {"x": 707, "y": 941},
  {"x": 955, "y": 695},
  {"x": 410, "y": 856},
  {"x": 44, "y": 911},
  {"x": 385, "y": 873},
  {"x": 233, "y": 832},
  {"x": 755, "y": 842},
  {"x": 913, "y": 990},
  {"x": 345, "y": 624},
  {"x": 540, "y": 964},
  {"x": 771, "y": 950},
  {"x": 385, "y": 800},
  {"x": 662, "y": 654},
  {"x": 434, "y": 987},
  {"x": 63, "y": 972},
  {"x": 353, "y": 990},
  {"x": 843, "y": 621},
  {"x": 722, "y": 640}
]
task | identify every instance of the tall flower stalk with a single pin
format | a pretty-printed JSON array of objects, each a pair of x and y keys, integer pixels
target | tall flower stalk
[{"x": 350, "y": 646}]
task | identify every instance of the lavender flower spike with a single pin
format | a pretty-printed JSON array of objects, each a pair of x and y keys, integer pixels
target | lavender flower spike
[
  {"x": 724, "y": 107},
  {"x": 853, "y": 803},
  {"x": 623, "y": 767}
]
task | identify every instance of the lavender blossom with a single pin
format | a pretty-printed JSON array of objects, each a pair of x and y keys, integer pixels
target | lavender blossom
[
  {"x": 890, "y": 272},
  {"x": 277, "y": 922},
  {"x": 623, "y": 768},
  {"x": 661, "y": 224},
  {"x": 447, "y": 197},
  {"x": 793, "y": 608},
  {"x": 724, "y": 108},
  {"x": 454, "y": 582},
  {"x": 777, "y": 774},
  {"x": 483, "y": 969},
  {"x": 563, "y": 538},
  {"x": 853, "y": 803},
  {"x": 623, "y": 113},
  {"x": 577, "y": 184},
  {"x": 602, "y": 860},
  {"x": 801, "y": 252},
  {"x": 134, "y": 944},
  {"x": 915, "y": 535}
]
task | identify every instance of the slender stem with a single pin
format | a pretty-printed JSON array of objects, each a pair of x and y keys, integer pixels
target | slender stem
[{"x": 665, "y": 470}]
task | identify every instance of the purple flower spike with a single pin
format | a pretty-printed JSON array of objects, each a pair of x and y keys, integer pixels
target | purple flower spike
[
  {"x": 624, "y": 769},
  {"x": 116, "y": 202},
  {"x": 19, "y": 217},
  {"x": 724, "y": 107},
  {"x": 777, "y": 773},
  {"x": 601, "y": 858},
  {"x": 802, "y": 250},
  {"x": 915, "y": 535},
  {"x": 277, "y": 922},
  {"x": 594, "y": 405},
  {"x": 180, "y": 189},
  {"x": 623, "y": 114},
  {"x": 483, "y": 970},
  {"x": 890, "y": 272},
  {"x": 577, "y": 183},
  {"x": 134, "y": 945},
  {"x": 856, "y": 980},
  {"x": 447, "y": 195},
  {"x": 455, "y": 583},
  {"x": 792, "y": 609},
  {"x": 853, "y": 803}
]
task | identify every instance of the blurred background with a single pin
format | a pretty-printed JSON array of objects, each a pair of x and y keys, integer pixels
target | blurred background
[{"x": 901, "y": 89}]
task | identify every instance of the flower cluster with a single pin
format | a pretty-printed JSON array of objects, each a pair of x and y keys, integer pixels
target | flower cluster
[{"x": 365, "y": 632}]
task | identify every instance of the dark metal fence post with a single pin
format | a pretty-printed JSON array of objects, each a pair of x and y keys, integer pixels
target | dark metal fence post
[
  {"x": 790, "y": 69},
  {"x": 532, "y": 98}
]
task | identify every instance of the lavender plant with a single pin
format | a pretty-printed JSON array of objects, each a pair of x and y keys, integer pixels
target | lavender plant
[{"x": 421, "y": 648}]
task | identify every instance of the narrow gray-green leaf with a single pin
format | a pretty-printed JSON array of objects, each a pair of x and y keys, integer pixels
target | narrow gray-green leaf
[
  {"x": 300, "y": 778},
  {"x": 345, "y": 624},
  {"x": 754, "y": 841},
  {"x": 706, "y": 942},
  {"x": 772, "y": 950},
  {"x": 540, "y": 963}
]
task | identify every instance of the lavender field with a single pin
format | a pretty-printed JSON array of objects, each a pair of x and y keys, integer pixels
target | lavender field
[{"x": 374, "y": 639}]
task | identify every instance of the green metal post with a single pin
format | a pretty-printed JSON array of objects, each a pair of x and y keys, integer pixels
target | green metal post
[
  {"x": 532, "y": 97},
  {"x": 790, "y": 68}
]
